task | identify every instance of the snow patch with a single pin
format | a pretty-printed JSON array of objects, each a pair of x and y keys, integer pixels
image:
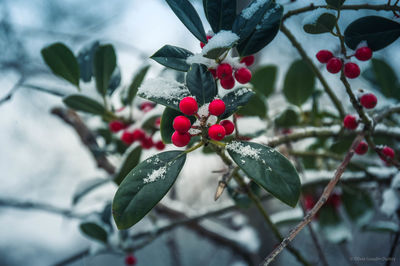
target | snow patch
[
  {"x": 162, "y": 88},
  {"x": 156, "y": 175},
  {"x": 313, "y": 17},
  {"x": 222, "y": 39},
  {"x": 246, "y": 151},
  {"x": 200, "y": 59},
  {"x": 248, "y": 12},
  {"x": 390, "y": 202}
]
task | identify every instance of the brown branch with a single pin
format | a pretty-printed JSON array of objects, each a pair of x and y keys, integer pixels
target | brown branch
[
  {"x": 344, "y": 7},
  {"x": 325, "y": 195},
  {"x": 86, "y": 135}
]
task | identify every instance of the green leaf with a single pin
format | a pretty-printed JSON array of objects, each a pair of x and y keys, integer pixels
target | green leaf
[
  {"x": 264, "y": 32},
  {"x": 115, "y": 81},
  {"x": 85, "y": 61},
  {"x": 62, "y": 62},
  {"x": 235, "y": 99},
  {"x": 335, "y": 3},
  {"x": 324, "y": 23},
  {"x": 184, "y": 10},
  {"x": 384, "y": 77},
  {"x": 137, "y": 195},
  {"x": 299, "y": 83},
  {"x": 135, "y": 84},
  {"x": 378, "y": 32},
  {"x": 131, "y": 160},
  {"x": 268, "y": 168},
  {"x": 166, "y": 129},
  {"x": 86, "y": 187},
  {"x": 382, "y": 227},
  {"x": 85, "y": 104},
  {"x": 246, "y": 22},
  {"x": 358, "y": 205},
  {"x": 264, "y": 79},
  {"x": 201, "y": 84},
  {"x": 256, "y": 106},
  {"x": 94, "y": 231},
  {"x": 173, "y": 57},
  {"x": 290, "y": 117},
  {"x": 220, "y": 14},
  {"x": 332, "y": 226},
  {"x": 104, "y": 63}
]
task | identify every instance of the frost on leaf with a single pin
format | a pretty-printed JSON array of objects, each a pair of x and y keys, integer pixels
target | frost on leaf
[
  {"x": 163, "y": 89},
  {"x": 248, "y": 151},
  {"x": 223, "y": 39}
]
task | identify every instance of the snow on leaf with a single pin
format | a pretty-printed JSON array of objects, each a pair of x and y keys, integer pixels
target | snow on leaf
[
  {"x": 163, "y": 89},
  {"x": 313, "y": 17},
  {"x": 248, "y": 12},
  {"x": 223, "y": 39}
]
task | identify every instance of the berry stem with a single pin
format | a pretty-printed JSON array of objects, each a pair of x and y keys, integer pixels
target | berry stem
[
  {"x": 218, "y": 143},
  {"x": 195, "y": 147}
]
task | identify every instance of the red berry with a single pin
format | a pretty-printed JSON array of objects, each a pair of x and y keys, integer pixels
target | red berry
[
  {"x": 228, "y": 84},
  {"x": 350, "y": 122},
  {"x": 157, "y": 122},
  {"x": 334, "y": 65},
  {"x": 146, "y": 106},
  {"x": 387, "y": 152},
  {"x": 159, "y": 145},
  {"x": 188, "y": 106},
  {"x": 243, "y": 75},
  {"x": 324, "y": 56},
  {"x": 351, "y": 70},
  {"x": 363, "y": 53},
  {"x": 216, "y": 107},
  {"x": 202, "y": 44},
  {"x": 247, "y": 60},
  {"x": 181, "y": 124},
  {"x": 216, "y": 132},
  {"x": 180, "y": 139},
  {"x": 147, "y": 143},
  {"x": 127, "y": 137},
  {"x": 224, "y": 71},
  {"x": 213, "y": 72},
  {"x": 368, "y": 100},
  {"x": 115, "y": 126},
  {"x": 130, "y": 260},
  {"x": 286, "y": 131},
  {"x": 138, "y": 134},
  {"x": 228, "y": 125},
  {"x": 309, "y": 202},
  {"x": 362, "y": 148},
  {"x": 334, "y": 200}
]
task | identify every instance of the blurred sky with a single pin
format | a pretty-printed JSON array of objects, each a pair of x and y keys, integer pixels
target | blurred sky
[{"x": 41, "y": 159}]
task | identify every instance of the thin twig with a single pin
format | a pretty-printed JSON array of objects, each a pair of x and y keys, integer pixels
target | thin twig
[
  {"x": 344, "y": 7},
  {"x": 325, "y": 195}
]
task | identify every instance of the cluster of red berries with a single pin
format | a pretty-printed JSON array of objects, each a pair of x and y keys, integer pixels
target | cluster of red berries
[
  {"x": 368, "y": 101},
  {"x": 334, "y": 64},
  {"x": 227, "y": 74},
  {"x": 129, "y": 137},
  {"x": 181, "y": 124},
  {"x": 130, "y": 260}
]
